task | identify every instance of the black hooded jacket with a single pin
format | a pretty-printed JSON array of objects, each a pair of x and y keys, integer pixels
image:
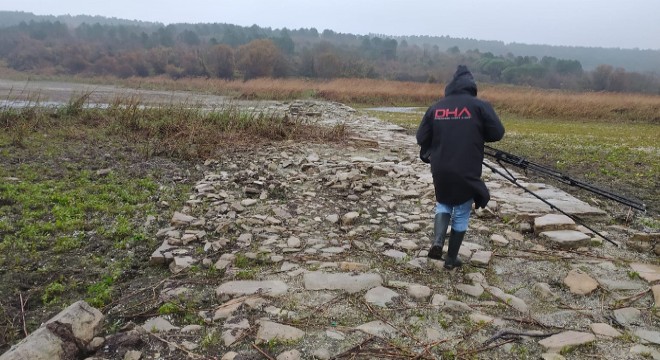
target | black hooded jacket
[{"x": 452, "y": 134}]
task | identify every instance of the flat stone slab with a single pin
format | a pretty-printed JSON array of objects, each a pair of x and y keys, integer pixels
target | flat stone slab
[
  {"x": 269, "y": 330},
  {"x": 508, "y": 299},
  {"x": 568, "y": 338},
  {"x": 526, "y": 203},
  {"x": 412, "y": 227},
  {"x": 645, "y": 351},
  {"x": 407, "y": 245},
  {"x": 628, "y": 316},
  {"x": 648, "y": 335},
  {"x": 159, "y": 324},
  {"x": 618, "y": 285},
  {"x": 349, "y": 218},
  {"x": 377, "y": 328},
  {"x": 566, "y": 239},
  {"x": 86, "y": 321},
  {"x": 180, "y": 263},
  {"x": 39, "y": 345},
  {"x": 552, "y": 222},
  {"x": 237, "y": 288},
  {"x": 180, "y": 219},
  {"x": 380, "y": 296},
  {"x": 43, "y": 344},
  {"x": 395, "y": 254},
  {"x": 580, "y": 283},
  {"x": 472, "y": 290},
  {"x": 456, "y": 306},
  {"x": 656, "y": 295},
  {"x": 648, "y": 272},
  {"x": 605, "y": 330},
  {"x": 419, "y": 292},
  {"x": 162, "y": 255},
  {"x": 320, "y": 280},
  {"x": 544, "y": 291},
  {"x": 481, "y": 258},
  {"x": 333, "y": 250},
  {"x": 499, "y": 240}
]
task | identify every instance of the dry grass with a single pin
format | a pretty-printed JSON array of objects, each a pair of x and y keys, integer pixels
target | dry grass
[
  {"x": 360, "y": 91},
  {"x": 519, "y": 101},
  {"x": 178, "y": 130},
  {"x": 547, "y": 104}
]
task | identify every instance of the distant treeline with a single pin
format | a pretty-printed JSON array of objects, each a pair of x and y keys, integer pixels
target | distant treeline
[{"x": 84, "y": 45}]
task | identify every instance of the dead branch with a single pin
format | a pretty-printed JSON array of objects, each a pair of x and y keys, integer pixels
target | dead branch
[
  {"x": 383, "y": 319},
  {"x": 355, "y": 348},
  {"x": 429, "y": 347},
  {"x": 368, "y": 141},
  {"x": 626, "y": 302},
  {"x": 151, "y": 288},
  {"x": 389, "y": 350},
  {"x": 321, "y": 309},
  {"x": 484, "y": 348},
  {"x": 20, "y": 295},
  {"x": 190, "y": 354},
  {"x": 473, "y": 331},
  {"x": 511, "y": 334},
  {"x": 265, "y": 354},
  {"x": 530, "y": 321}
]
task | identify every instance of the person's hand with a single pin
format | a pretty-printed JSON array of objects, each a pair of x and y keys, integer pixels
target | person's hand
[
  {"x": 425, "y": 155},
  {"x": 480, "y": 202}
]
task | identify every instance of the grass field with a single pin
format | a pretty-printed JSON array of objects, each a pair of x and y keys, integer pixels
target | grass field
[{"x": 621, "y": 157}]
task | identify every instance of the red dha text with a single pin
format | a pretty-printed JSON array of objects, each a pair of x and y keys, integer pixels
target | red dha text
[{"x": 456, "y": 113}]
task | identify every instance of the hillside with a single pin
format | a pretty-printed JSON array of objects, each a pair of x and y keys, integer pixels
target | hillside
[{"x": 640, "y": 60}]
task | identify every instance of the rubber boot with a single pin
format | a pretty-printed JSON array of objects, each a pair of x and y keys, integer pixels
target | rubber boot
[
  {"x": 455, "y": 241},
  {"x": 440, "y": 225}
]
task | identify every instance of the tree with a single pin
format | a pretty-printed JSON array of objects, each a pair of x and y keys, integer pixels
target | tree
[
  {"x": 389, "y": 49},
  {"x": 492, "y": 66},
  {"x": 74, "y": 59},
  {"x": 617, "y": 80},
  {"x": 454, "y": 50},
  {"x": 220, "y": 61},
  {"x": 258, "y": 58},
  {"x": 306, "y": 67},
  {"x": 528, "y": 74},
  {"x": 158, "y": 58},
  {"x": 327, "y": 65},
  {"x": 284, "y": 42},
  {"x": 164, "y": 36},
  {"x": 600, "y": 77},
  {"x": 190, "y": 37}
]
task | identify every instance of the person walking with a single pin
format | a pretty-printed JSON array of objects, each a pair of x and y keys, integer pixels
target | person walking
[{"x": 451, "y": 136}]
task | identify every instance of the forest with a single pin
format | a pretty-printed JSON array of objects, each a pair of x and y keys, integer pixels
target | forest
[{"x": 97, "y": 46}]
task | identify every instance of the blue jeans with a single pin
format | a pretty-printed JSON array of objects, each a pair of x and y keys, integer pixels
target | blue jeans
[{"x": 460, "y": 214}]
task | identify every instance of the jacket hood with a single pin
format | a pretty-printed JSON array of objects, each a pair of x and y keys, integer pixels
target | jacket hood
[{"x": 462, "y": 83}]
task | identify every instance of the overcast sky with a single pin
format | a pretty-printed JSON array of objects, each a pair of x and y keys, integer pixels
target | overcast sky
[{"x": 602, "y": 23}]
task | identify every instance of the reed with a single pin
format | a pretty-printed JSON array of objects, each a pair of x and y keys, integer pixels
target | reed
[
  {"x": 179, "y": 130},
  {"x": 514, "y": 100}
]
